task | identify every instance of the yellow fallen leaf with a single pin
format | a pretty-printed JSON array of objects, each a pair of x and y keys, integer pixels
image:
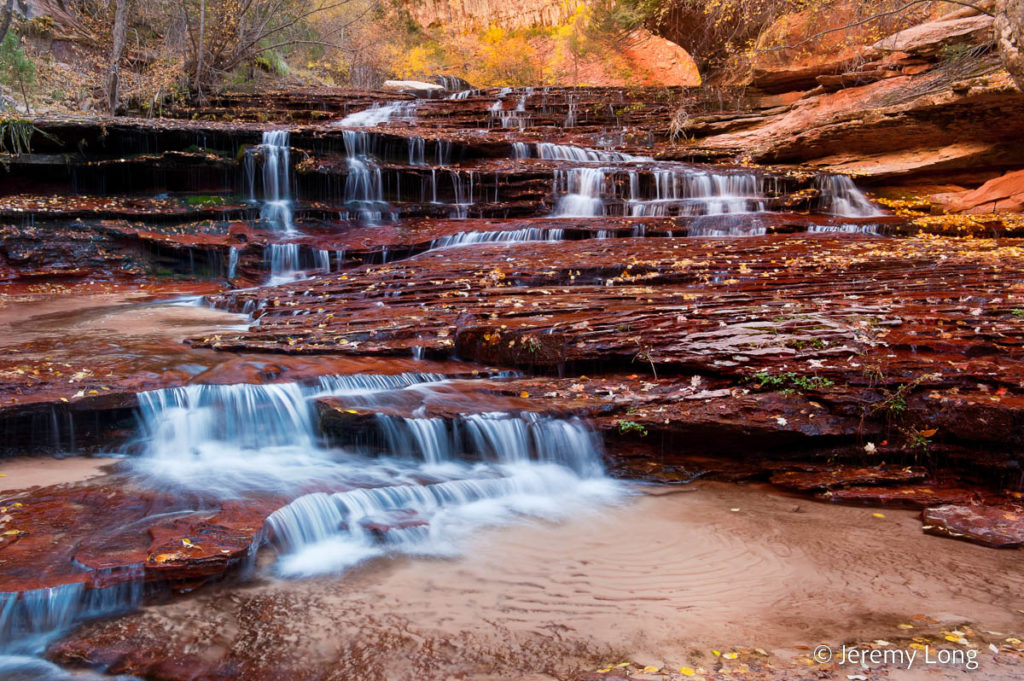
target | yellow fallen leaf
[
  {"x": 905, "y": 626},
  {"x": 649, "y": 670},
  {"x": 686, "y": 671},
  {"x": 730, "y": 656},
  {"x": 524, "y": 394},
  {"x": 716, "y": 653},
  {"x": 878, "y": 515}
]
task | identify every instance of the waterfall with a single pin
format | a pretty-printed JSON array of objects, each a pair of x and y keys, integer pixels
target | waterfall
[
  {"x": 283, "y": 262},
  {"x": 232, "y": 262},
  {"x": 727, "y": 226},
  {"x": 436, "y": 480},
  {"x": 380, "y": 113},
  {"x": 593, "y": 191},
  {"x": 510, "y": 118},
  {"x": 539, "y": 466},
  {"x": 570, "y": 118},
  {"x": 565, "y": 152},
  {"x": 417, "y": 151},
  {"x": 364, "y": 189},
  {"x": 276, "y": 205},
  {"x": 583, "y": 191},
  {"x": 464, "y": 192},
  {"x": 497, "y": 437},
  {"x": 690, "y": 192},
  {"x": 498, "y": 236},
  {"x": 464, "y": 94},
  {"x": 840, "y": 196},
  {"x": 30, "y": 619},
  {"x": 226, "y": 439}
]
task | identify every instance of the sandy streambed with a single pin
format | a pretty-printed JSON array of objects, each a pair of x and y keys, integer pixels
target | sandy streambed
[{"x": 662, "y": 580}]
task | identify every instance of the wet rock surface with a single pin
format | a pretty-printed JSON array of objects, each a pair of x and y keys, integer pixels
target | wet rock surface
[
  {"x": 998, "y": 527},
  {"x": 532, "y": 260}
]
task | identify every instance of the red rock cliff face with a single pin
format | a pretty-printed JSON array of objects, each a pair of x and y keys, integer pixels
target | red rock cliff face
[{"x": 469, "y": 15}]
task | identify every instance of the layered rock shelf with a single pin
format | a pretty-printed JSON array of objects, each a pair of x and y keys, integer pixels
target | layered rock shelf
[{"x": 281, "y": 311}]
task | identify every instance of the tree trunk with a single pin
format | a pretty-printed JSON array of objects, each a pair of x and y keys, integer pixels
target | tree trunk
[
  {"x": 114, "y": 75},
  {"x": 202, "y": 48},
  {"x": 1010, "y": 38},
  {"x": 8, "y": 15}
]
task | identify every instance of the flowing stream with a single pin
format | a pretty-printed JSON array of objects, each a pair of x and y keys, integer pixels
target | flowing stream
[{"x": 427, "y": 484}]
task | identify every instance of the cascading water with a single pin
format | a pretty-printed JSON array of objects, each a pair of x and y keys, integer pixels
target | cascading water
[
  {"x": 511, "y": 118},
  {"x": 433, "y": 481},
  {"x": 232, "y": 262},
  {"x": 283, "y": 262},
  {"x": 29, "y": 620},
  {"x": 364, "y": 189},
  {"x": 593, "y": 191},
  {"x": 583, "y": 192},
  {"x": 232, "y": 438},
  {"x": 689, "y": 192},
  {"x": 565, "y": 152},
  {"x": 498, "y": 236},
  {"x": 840, "y": 196},
  {"x": 276, "y": 204},
  {"x": 380, "y": 113},
  {"x": 538, "y": 466}
]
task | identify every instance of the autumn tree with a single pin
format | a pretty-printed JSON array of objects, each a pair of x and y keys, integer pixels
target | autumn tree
[
  {"x": 116, "y": 52},
  {"x": 15, "y": 68},
  {"x": 225, "y": 34}
]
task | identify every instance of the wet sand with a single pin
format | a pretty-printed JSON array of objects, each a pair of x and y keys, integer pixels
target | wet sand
[
  {"x": 662, "y": 580},
  {"x": 22, "y": 472}
]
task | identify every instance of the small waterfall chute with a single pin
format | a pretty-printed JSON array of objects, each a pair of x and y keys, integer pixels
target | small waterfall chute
[
  {"x": 276, "y": 202},
  {"x": 841, "y": 197}
]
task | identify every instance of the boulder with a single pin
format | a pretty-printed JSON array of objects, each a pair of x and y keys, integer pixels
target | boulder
[{"x": 414, "y": 86}]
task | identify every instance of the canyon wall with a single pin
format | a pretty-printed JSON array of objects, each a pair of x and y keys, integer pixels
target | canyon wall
[{"x": 471, "y": 15}]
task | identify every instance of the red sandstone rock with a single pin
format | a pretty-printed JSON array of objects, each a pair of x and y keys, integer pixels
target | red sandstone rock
[
  {"x": 842, "y": 476},
  {"x": 900, "y": 496},
  {"x": 1002, "y": 194},
  {"x": 998, "y": 527}
]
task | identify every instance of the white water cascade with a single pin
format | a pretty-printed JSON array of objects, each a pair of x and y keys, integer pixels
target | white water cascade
[
  {"x": 29, "y": 620},
  {"x": 276, "y": 203},
  {"x": 840, "y": 196},
  {"x": 428, "y": 483},
  {"x": 594, "y": 191},
  {"x": 380, "y": 113},
  {"x": 498, "y": 236},
  {"x": 230, "y": 440},
  {"x": 364, "y": 189}
]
